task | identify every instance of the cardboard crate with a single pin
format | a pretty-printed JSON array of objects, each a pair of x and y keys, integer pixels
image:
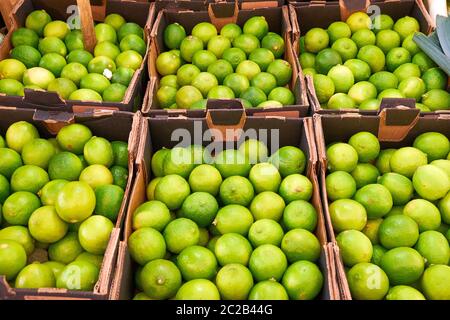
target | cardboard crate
[
  {"x": 303, "y": 18},
  {"x": 156, "y": 133},
  {"x": 126, "y": 128},
  {"x": 394, "y": 128},
  {"x": 219, "y": 14},
  {"x": 138, "y": 12}
]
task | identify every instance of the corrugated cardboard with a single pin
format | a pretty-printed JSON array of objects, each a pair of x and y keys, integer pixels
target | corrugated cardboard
[
  {"x": 138, "y": 12},
  {"x": 126, "y": 128},
  {"x": 219, "y": 14},
  {"x": 156, "y": 133},
  {"x": 399, "y": 127}
]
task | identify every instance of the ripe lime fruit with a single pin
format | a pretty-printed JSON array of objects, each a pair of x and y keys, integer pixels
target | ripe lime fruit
[
  {"x": 406, "y": 71},
  {"x": 412, "y": 87},
  {"x": 189, "y": 46},
  {"x": 373, "y": 56},
  {"x": 66, "y": 166},
  {"x": 382, "y": 22},
  {"x": 105, "y": 32},
  {"x": 300, "y": 214},
  {"x": 120, "y": 176},
  {"x": 361, "y": 278},
  {"x": 324, "y": 87},
  {"x": 435, "y": 282},
  {"x": 13, "y": 258},
  {"x": 338, "y": 30},
  {"x": 74, "y": 40},
  {"x": 220, "y": 69},
  {"x": 282, "y": 95},
  {"x": 63, "y": 87},
  {"x": 398, "y": 231},
  {"x": 387, "y": 40},
  {"x": 128, "y": 59},
  {"x": 56, "y": 267},
  {"x": 57, "y": 29},
  {"x": 362, "y": 91},
  {"x": 300, "y": 244},
  {"x": 266, "y": 262},
  {"x": 433, "y": 246},
  {"x": 196, "y": 262},
  {"x": 423, "y": 61},
  {"x": 248, "y": 68},
  {"x": 29, "y": 56},
  {"x": 114, "y": 92},
  {"x": 436, "y": 99},
  {"x": 198, "y": 289},
  {"x": 65, "y": 250},
  {"x": 434, "y": 78},
  {"x": 161, "y": 279},
  {"x": 234, "y": 282},
  {"x": 360, "y": 69},
  {"x": 232, "y": 248},
  {"x": 38, "y": 76},
  {"x": 402, "y": 265},
  {"x": 340, "y": 185},
  {"x": 96, "y": 175},
  {"x": 78, "y": 275},
  {"x": 282, "y": 70},
  {"x": 75, "y": 202},
  {"x": 169, "y": 80},
  {"x": 186, "y": 74},
  {"x": 254, "y": 150},
  {"x": 443, "y": 164},
  {"x": 29, "y": 178},
  {"x": 218, "y": 44},
  {"x": 35, "y": 276},
  {"x": 174, "y": 33},
  {"x": 205, "y": 178},
  {"x": 145, "y": 245},
  {"x": 186, "y": 96},
  {"x": 406, "y": 26},
  {"x": 12, "y": 69},
  {"x": 123, "y": 76},
  {"x": 371, "y": 104},
  {"x": 378, "y": 252},
  {"x": 231, "y": 163},
  {"x": 430, "y": 182},
  {"x": 347, "y": 214},
  {"x": 307, "y": 60},
  {"x": 5, "y": 189},
  {"x": 168, "y": 63},
  {"x": 376, "y": 199},
  {"x": 400, "y": 187},
  {"x": 342, "y": 157},
  {"x": 100, "y": 65},
  {"x": 383, "y": 80},
  {"x": 19, "y": 206},
  {"x": 289, "y": 160},
  {"x": 231, "y": 31},
  {"x": 38, "y": 152},
  {"x": 115, "y": 20},
  {"x": 263, "y": 57},
  {"x": 264, "y": 81},
  {"x": 180, "y": 234},
  {"x": 46, "y": 226},
  {"x": 303, "y": 280},
  {"x": 74, "y": 71},
  {"x": 200, "y": 207},
  {"x": 153, "y": 214},
  {"x": 52, "y": 45},
  {"x": 205, "y": 31},
  {"x": 296, "y": 187},
  {"x": 233, "y": 219},
  {"x": 157, "y": 162},
  {"x": 178, "y": 161},
  {"x": 444, "y": 207},
  {"x": 267, "y": 205},
  {"x": 166, "y": 192},
  {"x": 404, "y": 293},
  {"x": 20, "y": 235},
  {"x": 37, "y": 20},
  {"x": 425, "y": 213},
  {"x": 316, "y": 39},
  {"x": 107, "y": 49},
  {"x": 342, "y": 77},
  {"x": 234, "y": 56},
  {"x": 366, "y": 145},
  {"x": 247, "y": 43},
  {"x": 221, "y": 92},
  {"x": 364, "y": 37},
  {"x": 19, "y": 134},
  {"x": 94, "y": 234},
  {"x": 130, "y": 28},
  {"x": 98, "y": 151},
  {"x": 371, "y": 230},
  {"x": 355, "y": 247},
  {"x": 265, "y": 177},
  {"x": 203, "y": 59},
  {"x": 108, "y": 201},
  {"x": 236, "y": 190},
  {"x": 133, "y": 42},
  {"x": 236, "y": 82},
  {"x": 95, "y": 82},
  {"x": 268, "y": 290},
  {"x": 265, "y": 231},
  {"x": 256, "y": 26},
  {"x": 346, "y": 48},
  {"x": 358, "y": 20},
  {"x": 12, "y": 87},
  {"x": 406, "y": 160}
]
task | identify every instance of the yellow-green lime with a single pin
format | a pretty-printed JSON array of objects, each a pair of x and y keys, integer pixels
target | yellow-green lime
[
  {"x": 74, "y": 40},
  {"x": 364, "y": 37},
  {"x": 383, "y": 80},
  {"x": 342, "y": 220},
  {"x": 436, "y": 99},
  {"x": 130, "y": 28},
  {"x": 360, "y": 69},
  {"x": 382, "y": 22},
  {"x": 268, "y": 290},
  {"x": 398, "y": 231},
  {"x": 145, "y": 245},
  {"x": 265, "y": 231},
  {"x": 324, "y": 87},
  {"x": 358, "y": 20},
  {"x": 11, "y": 87},
  {"x": 342, "y": 77},
  {"x": 52, "y": 45},
  {"x": 355, "y": 247},
  {"x": 362, "y": 91},
  {"x": 153, "y": 214},
  {"x": 74, "y": 71},
  {"x": 387, "y": 40},
  {"x": 407, "y": 70},
  {"x": 303, "y": 280},
  {"x": 75, "y": 202},
  {"x": 12, "y": 69},
  {"x": 338, "y": 30},
  {"x": 316, "y": 39},
  {"x": 46, "y": 226},
  {"x": 88, "y": 276},
  {"x": 114, "y": 92},
  {"x": 65, "y": 250},
  {"x": 340, "y": 185},
  {"x": 98, "y": 150},
  {"x": 38, "y": 76},
  {"x": 373, "y": 56},
  {"x": 406, "y": 25},
  {"x": 424, "y": 212},
  {"x": 346, "y": 48},
  {"x": 402, "y": 265},
  {"x": 100, "y": 64},
  {"x": 104, "y": 32},
  {"x": 37, "y": 20},
  {"x": 361, "y": 278}
]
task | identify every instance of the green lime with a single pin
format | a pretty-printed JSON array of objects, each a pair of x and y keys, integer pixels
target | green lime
[
  {"x": 316, "y": 39},
  {"x": 201, "y": 207},
  {"x": 98, "y": 151},
  {"x": 180, "y": 234},
  {"x": 220, "y": 68},
  {"x": 107, "y": 49},
  {"x": 436, "y": 99},
  {"x": 74, "y": 40},
  {"x": 20, "y": 235},
  {"x": 57, "y": 29},
  {"x": 129, "y": 59},
  {"x": 161, "y": 279},
  {"x": 74, "y": 71},
  {"x": 123, "y": 76},
  {"x": 425, "y": 213},
  {"x": 52, "y": 45},
  {"x": 346, "y": 48},
  {"x": 231, "y": 31},
  {"x": 221, "y": 92},
  {"x": 254, "y": 150},
  {"x": 406, "y": 160},
  {"x": 145, "y": 245},
  {"x": 406, "y": 26},
  {"x": 267, "y": 205},
  {"x": 303, "y": 280},
  {"x": 232, "y": 162},
  {"x": 178, "y": 161},
  {"x": 186, "y": 96},
  {"x": 205, "y": 31},
  {"x": 78, "y": 275},
  {"x": 254, "y": 95},
  {"x": 371, "y": 230},
  {"x": 361, "y": 69},
  {"x": 234, "y": 56},
  {"x": 94, "y": 234},
  {"x": 236, "y": 190},
  {"x": 342, "y": 157},
  {"x": 19, "y": 206},
  {"x": 404, "y": 293},
  {"x": 371, "y": 104},
  {"x": 434, "y": 78},
  {"x": 383, "y": 80},
  {"x": 196, "y": 262},
  {"x": 362, "y": 91},
  {"x": 218, "y": 44},
  {"x": 275, "y": 43},
  {"x": 402, "y": 265},
  {"x": 108, "y": 201},
  {"x": 365, "y": 37},
  {"x": 205, "y": 82},
  {"x": 378, "y": 252},
  {"x": 412, "y": 87},
  {"x": 342, "y": 77},
  {"x": 347, "y": 214},
  {"x": 435, "y": 282},
  {"x": 186, "y": 74},
  {"x": 96, "y": 175},
  {"x": 376, "y": 199},
  {"x": 120, "y": 152},
  {"x": 105, "y": 32},
  {"x": 49, "y": 192},
  {"x": 233, "y": 219},
  {"x": 174, "y": 33},
  {"x": 387, "y": 40},
  {"x": 430, "y": 182},
  {"x": 237, "y": 82},
  {"x": 29, "y": 178},
  {"x": 5, "y": 189},
  {"x": 203, "y": 59},
  {"x": 373, "y": 56},
  {"x": 300, "y": 214},
  {"x": 282, "y": 95},
  {"x": 264, "y": 81},
  {"x": 28, "y": 55},
  {"x": 256, "y": 26},
  {"x": 63, "y": 87},
  {"x": 56, "y": 267},
  {"x": 382, "y": 22},
  {"x": 307, "y": 60},
  {"x": 234, "y": 282},
  {"x": 205, "y": 178},
  {"x": 364, "y": 174},
  {"x": 153, "y": 214},
  {"x": 296, "y": 187},
  {"x": 133, "y": 42},
  {"x": 157, "y": 162},
  {"x": 434, "y": 247},
  {"x": 167, "y": 63},
  {"x": 398, "y": 231},
  {"x": 338, "y": 30},
  {"x": 400, "y": 187},
  {"x": 38, "y": 152},
  {"x": 289, "y": 160},
  {"x": 12, "y": 69},
  {"x": 423, "y": 61},
  {"x": 358, "y": 20},
  {"x": 75, "y": 202},
  {"x": 324, "y": 87},
  {"x": 24, "y": 36},
  {"x": 130, "y": 28},
  {"x": 114, "y": 92},
  {"x": 361, "y": 279},
  {"x": 300, "y": 244},
  {"x": 35, "y": 276},
  {"x": 11, "y": 87},
  {"x": 268, "y": 290},
  {"x": 13, "y": 258},
  {"x": 232, "y": 248},
  {"x": 265, "y": 177},
  {"x": 263, "y": 57},
  {"x": 267, "y": 262},
  {"x": 120, "y": 176},
  {"x": 100, "y": 64},
  {"x": 65, "y": 250},
  {"x": 65, "y": 165},
  {"x": 355, "y": 247},
  {"x": 366, "y": 145},
  {"x": 265, "y": 231},
  {"x": 406, "y": 71},
  {"x": 37, "y": 20},
  {"x": 38, "y": 76},
  {"x": 189, "y": 46},
  {"x": 46, "y": 226},
  {"x": 198, "y": 289}
]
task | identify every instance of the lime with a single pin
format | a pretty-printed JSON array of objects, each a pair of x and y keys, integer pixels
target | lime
[
  {"x": 355, "y": 247},
  {"x": 423, "y": 61},
  {"x": 120, "y": 152},
  {"x": 130, "y": 28},
  {"x": 267, "y": 205},
  {"x": 24, "y": 36},
  {"x": 376, "y": 199},
  {"x": 303, "y": 280},
  {"x": 300, "y": 214},
  {"x": 133, "y": 42},
  {"x": 174, "y": 33},
  {"x": 434, "y": 78},
  {"x": 78, "y": 275},
  {"x": 38, "y": 152},
  {"x": 436, "y": 99},
  {"x": 120, "y": 176},
  {"x": 233, "y": 248},
  {"x": 316, "y": 39},
  {"x": 407, "y": 70},
  {"x": 11, "y": 87},
  {"x": 29, "y": 178},
  {"x": 402, "y": 265},
  {"x": 108, "y": 201},
  {"x": 404, "y": 293},
  {"x": 265, "y": 177},
  {"x": 371, "y": 104},
  {"x": 400, "y": 187},
  {"x": 95, "y": 82},
  {"x": 167, "y": 63},
  {"x": 180, "y": 234},
  {"x": 248, "y": 69},
  {"x": 434, "y": 144},
  {"x": 362, "y": 91},
  {"x": 74, "y": 71},
  {"x": 296, "y": 187},
  {"x": 254, "y": 150},
  {"x": 37, "y": 20},
  {"x": 218, "y": 44},
  {"x": 129, "y": 59},
  {"x": 342, "y": 157},
  {"x": 247, "y": 43},
  {"x": 161, "y": 279},
  {"x": 270, "y": 104},
  {"x": 443, "y": 164},
  {"x": 367, "y": 281},
  {"x": 326, "y": 59},
  {"x": 169, "y": 80},
  {"x": 166, "y": 192},
  {"x": 107, "y": 49},
  {"x": 237, "y": 82},
  {"x": 63, "y": 87},
  {"x": 5, "y": 189},
  {"x": 288, "y": 160},
  {"x": 13, "y": 258},
  {"x": 424, "y": 213},
  {"x": 366, "y": 145},
  {"x": 178, "y": 161},
  {"x": 390, "y": 93},
  {"x": 197, "y": 262},
  {"x": 378, "y": 252},
  {"x": 220, "y": 92},
  {"x": 412, "y": 87},
  {"x": 444, "y": 207},
  {"x": 205, "y": 31},
  {"x": 198, "y": 289},
  {"x": 38, "y": 76},
  {"x": 371, "y": 230},
  {"x": 186, "y": 74},
  {"x": 387, "y": 40},
  {"x": 266, "y": 262},
  {"x": 346, "y": 48},
  {"x": 201, "y": 207},
  {"x": 236, "y": 190},
  {"x": 49, "y": 192},
  {"x": 263, "y": 57},
  {"x": 231, "y": 31},
  {"x": 282, "y": 95},
  {"x": 234, "y": 56},
  {"x": 275, "y": 43},
  {"x": 57, "y": 28},
  {"x": 383, "y": 161},
  {"x": 65, "y": 250},
  {"x": 434, "y": 247},
  {"x": 205, "y": 178},
  {"x": 265, "y": 231},
  {"x": 75, "y": 202},
  {"x": 52, "y": 45},
  {"x": 74, "y": 40},
  {"x": 256, "y": 26},
  {"x": 35, "y": 276},
  {"x": 358, "y": 20},
  {"x": 360, "y": 69},
  {"x": 12, "y": 69},
  {"x": 342, "y": 77},
  {"x": 220, "y": 68},
  {"x": 342, "y": 219},
  {"x": 153, "y": 214},
  {"x": 46, "y": 226},
  {"x": 157, "y": 162},
  {"x": 232, "y": 162},
  {"x": 435, "y": 282},
  {"x": 430, "y": 182},
  {"x": 98, "y": 151},
  {"x": 186, "y": 96},
  {"x": 383, "y": 80},
  {"x": 382, "y": 22},
  {"x": 406, "y": 26},
  {"x": 373, "y": 56},
  {"x": 105, "y": 32},
  {"x": 254, "y": 95},
  {"x": 28, "y": 55},
  {"x": 234, "y": 282},
  {"x": 189, "y": 46},
  {"x": 145, "y": 245},
  {"x": 114, "y": 92},
  {"x": 101, "y": 64},
  {"x": 203, "y": 59},
  {"x": 233, "y": 219},
  {"x": 300, "y": 244},
  {"x": 398, "y": 231},
  {"x": 65, "y": 165},
  {"x": 94, "y": 234},
  {"x": 56, "y": 267},
  {"x": 264, "y": 81},
  {"x": 364, "y": 174},
  {"x": 268, "y": 290},
  {"x": 324, "y": 87},
  {"x": 338, "y": 30},
  {"x": 307, "y": 60},
  {"x": 365, "y": 37},
  {"x": 20, "y": 235},
  {"x": 19, "y": 206}
]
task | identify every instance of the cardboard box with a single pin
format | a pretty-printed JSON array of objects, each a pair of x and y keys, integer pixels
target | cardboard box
[
  {"x": 156, "y": 133},
  {"x": 303, "y": 18},
  {"x": 395, "y": 128},
  {"x": 138, "y": 12},
  {"x": 126, "y": 128},
  {"x": 219, "y": 14}
]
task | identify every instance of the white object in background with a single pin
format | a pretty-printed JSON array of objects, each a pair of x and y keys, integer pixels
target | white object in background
[{"x": 436, "y": 7}]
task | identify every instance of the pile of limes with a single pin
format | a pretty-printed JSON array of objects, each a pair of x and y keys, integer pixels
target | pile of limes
[
  {"x": 236, "y": 226},
  {"x": 237, "y": 63},
  {"x": 357, "y": 63},
  {"x": 47, "y": 55},
  {"x": 59, "y": 198},
  {"x": 391, "y": 210}
]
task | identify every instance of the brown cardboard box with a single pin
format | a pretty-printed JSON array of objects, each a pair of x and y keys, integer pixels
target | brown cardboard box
[
  {"x": 138, "y": 12},
  {"x": 126, "y": 128},
  {"x": 395, "y": 128},
  {"x": 220, "y": 14},
  {"x": 303, "y": 18},
  {"x": 156, "y": 133}
]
